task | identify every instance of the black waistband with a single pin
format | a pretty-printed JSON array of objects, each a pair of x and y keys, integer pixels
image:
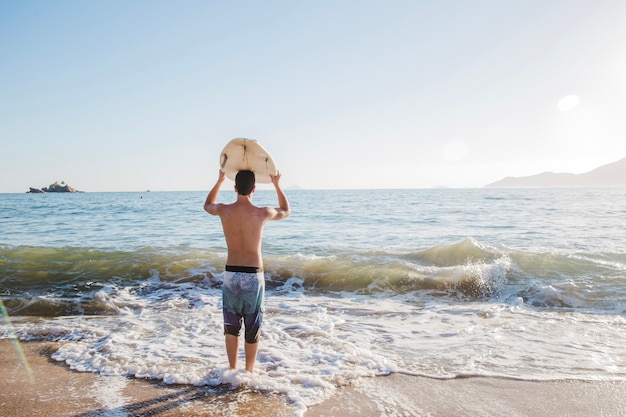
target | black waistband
[{"x": 249, "y": 269}]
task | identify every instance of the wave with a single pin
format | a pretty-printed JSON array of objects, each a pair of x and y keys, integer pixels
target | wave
[
  {"x": 44, "y": 281},
  {"x": 456, "y": 268},
  {"x": 47, "y": 281}
]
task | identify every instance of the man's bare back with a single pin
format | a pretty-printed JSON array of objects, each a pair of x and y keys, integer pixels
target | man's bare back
[
  {"x": 243, "y": 229},
  {"x": 243, "y": 223}
]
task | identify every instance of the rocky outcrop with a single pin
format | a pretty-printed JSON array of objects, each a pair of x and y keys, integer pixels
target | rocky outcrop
[{"x": 55, "y": 188}]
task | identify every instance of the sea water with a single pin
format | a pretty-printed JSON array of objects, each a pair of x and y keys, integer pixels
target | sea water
[{"x": 527, "y": 284}]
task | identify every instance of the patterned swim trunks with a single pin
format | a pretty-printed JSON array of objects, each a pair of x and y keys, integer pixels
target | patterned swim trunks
[{"x": 243, "y": 292}]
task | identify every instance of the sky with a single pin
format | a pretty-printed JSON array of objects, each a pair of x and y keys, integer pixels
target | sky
[{"x": 143, "y": 95}]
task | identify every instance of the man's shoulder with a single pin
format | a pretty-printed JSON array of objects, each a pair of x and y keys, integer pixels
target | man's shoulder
[
  {"x": 249, "y": 208},
  {"x": 261, "y": 210},
  {"x": 225, "y": 206}
]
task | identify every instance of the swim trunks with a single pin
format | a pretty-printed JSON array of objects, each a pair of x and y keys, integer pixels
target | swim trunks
[{"x": 243, "y": 292}]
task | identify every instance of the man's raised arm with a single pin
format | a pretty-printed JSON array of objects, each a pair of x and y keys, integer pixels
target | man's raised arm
[
  {"x": 209, "y": 204},
  {"x": 283, "y": 210}
]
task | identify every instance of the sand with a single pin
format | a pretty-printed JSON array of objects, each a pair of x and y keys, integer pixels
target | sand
[
  {"x": 51, "y": 389},
  {"x": 403, "y": 395},
  {"x": 54, "y": 390}
]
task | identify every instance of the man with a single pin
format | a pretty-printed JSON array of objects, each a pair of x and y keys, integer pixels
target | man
[{"x": 243, "y": 289}]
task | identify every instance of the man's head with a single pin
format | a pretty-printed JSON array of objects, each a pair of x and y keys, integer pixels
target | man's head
[{"x": 244, "y": 182}]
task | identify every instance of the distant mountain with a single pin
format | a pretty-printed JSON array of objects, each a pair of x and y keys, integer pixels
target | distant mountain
[{"x": 610, "y": 175}]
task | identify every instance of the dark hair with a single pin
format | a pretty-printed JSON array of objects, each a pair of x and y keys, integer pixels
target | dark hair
[{"x": 244, "y": 181}]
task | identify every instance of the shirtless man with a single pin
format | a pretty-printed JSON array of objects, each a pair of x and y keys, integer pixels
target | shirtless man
[{"x": 243, "y": 290}]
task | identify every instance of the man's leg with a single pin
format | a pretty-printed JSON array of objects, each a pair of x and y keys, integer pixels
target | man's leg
[
  {"x": 251, "y": 351},
  {"x": 232, "y": 349}
]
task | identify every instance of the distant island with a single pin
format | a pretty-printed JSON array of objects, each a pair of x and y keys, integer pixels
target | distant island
[
  {"x": 54, "y": 188},
  {"x": 610, "y": 175}
]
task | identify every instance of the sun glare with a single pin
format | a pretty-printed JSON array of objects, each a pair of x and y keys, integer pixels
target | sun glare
[
  {"x": 568, "y": 103},
  {"x": 16, "y": 341},
  {"x": 455, "y": 150}
]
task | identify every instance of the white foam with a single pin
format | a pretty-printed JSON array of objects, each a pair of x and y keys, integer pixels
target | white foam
[{"x": 109, "y": 393}]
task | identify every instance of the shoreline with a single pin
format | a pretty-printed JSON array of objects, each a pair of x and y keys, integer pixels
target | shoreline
[
  {"x": 407, "y": 395},
  {"x": 54, "y": 390}
]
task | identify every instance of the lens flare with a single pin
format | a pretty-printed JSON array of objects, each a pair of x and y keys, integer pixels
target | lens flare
[
  {"x": 16, "y": 342},
  {"x": 455, "y": 150},
  {"x": 568, "y": 103}
]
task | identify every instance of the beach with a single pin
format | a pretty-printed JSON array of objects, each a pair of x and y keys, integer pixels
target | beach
[{"x": 56, "y": 391}]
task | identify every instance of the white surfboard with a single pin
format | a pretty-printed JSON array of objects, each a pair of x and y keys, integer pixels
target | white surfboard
[{"x": 240, "y": 154}]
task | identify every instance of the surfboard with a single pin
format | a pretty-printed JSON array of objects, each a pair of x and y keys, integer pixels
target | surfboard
[{"x": 240, "y": 154}]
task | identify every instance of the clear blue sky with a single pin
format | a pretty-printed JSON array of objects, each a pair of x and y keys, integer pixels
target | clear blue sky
[{"x": 136, "y": 95}]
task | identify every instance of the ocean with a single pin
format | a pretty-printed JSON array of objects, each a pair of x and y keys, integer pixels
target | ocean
[{"x": 445, "y": 283}]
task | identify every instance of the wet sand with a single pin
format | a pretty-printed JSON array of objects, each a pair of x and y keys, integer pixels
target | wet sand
[
  {"x": 404, "y": 395},
  {"x": 51, "y": 389}
]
